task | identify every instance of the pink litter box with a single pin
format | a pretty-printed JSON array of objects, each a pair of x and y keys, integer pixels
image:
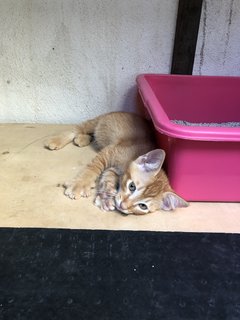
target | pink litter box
[{"x": 197, "y": 123}]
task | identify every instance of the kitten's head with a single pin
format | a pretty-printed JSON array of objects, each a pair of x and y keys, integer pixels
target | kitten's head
[{"x": 145, "y": 188}]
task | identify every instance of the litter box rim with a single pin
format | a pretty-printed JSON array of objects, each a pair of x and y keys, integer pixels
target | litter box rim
[{"x": 165, "y": 126}]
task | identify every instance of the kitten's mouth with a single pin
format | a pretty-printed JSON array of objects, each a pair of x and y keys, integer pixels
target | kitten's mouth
[
  {"x": 125, "y": 212},
  {"x": 119, "y": 207}
]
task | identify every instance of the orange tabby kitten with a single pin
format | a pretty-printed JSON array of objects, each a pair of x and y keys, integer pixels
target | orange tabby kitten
[{"x": 127, "y": 171}]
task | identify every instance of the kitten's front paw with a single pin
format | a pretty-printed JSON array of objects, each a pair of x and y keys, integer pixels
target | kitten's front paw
[
  {"x": 78, "y": 189},
  {"x": 107, "y": 190},
  {"x": 105, "y": 202}
]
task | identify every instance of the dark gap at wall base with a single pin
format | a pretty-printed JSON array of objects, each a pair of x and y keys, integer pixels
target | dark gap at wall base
[
  {"x": 106, "y": 275},
  {"x": 188, "y": 20}
]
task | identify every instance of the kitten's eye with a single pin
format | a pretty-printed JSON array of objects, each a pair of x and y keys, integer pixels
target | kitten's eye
[
  {"x": 132, "y": 186},
  {"x": 143, "y": 206}
]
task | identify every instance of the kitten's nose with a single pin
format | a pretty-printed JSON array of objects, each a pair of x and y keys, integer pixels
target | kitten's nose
[{"x": 123, "y": 206}]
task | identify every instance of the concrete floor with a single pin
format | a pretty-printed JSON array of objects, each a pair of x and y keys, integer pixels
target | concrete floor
[{"x": 31, "y": 195}]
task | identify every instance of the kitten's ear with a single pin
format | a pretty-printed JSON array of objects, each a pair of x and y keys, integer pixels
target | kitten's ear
[
  {"x": 151, "y": 161},
  {"x": 171, "y": 201}
]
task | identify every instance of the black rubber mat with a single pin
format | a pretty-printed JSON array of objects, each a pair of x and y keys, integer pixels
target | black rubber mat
[{"x": 75, "y": 274}]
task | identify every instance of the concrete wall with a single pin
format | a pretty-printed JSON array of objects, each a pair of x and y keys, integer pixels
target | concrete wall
[
  {"x": 63, "y": 61},
  {"x": 218, "y": 47}
]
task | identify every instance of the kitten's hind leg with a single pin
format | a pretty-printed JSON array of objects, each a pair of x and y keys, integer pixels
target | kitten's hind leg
[
  {"x": 85, "y": 132},
  {"x": 82, "y": 140},
  {"x": 59, "y": 141},
  {"x": 107, "y": 189},
  {"x": 81, "y": 135}
]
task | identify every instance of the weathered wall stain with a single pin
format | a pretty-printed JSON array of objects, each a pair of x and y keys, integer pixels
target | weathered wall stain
[
  {"x": 204, "y": 30},
  {"x": 228, "y": 31},
  {"x": 218, "y": 47}
]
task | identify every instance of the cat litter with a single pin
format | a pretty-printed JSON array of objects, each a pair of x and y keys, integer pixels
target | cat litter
[
  {"x": 197, "y": 123},
  {"x": 207, "y": 124}
]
